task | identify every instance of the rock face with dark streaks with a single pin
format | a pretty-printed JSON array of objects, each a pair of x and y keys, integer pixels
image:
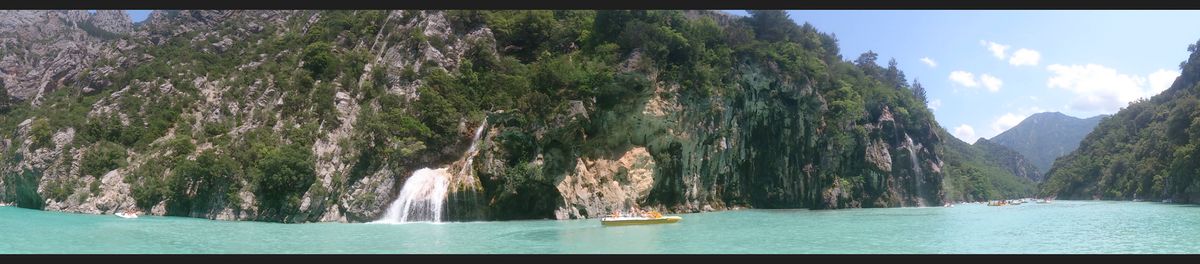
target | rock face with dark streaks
[{"x": 321, "y": 116}]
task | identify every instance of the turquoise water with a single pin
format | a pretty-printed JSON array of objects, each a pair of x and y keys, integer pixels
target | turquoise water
[{"x": 1060, "y": 227}]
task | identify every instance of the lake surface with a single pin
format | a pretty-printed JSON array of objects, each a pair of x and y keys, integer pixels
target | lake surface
[{"x": 1058, "y": 227}]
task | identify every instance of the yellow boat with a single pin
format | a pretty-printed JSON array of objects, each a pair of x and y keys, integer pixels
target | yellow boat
[{"x": 621, "y": 221}]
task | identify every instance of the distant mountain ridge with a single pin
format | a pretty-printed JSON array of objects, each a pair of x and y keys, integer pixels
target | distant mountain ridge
[
  {"x": 985, "y": 171},
  {"x": 1008, "y": 159},
  {"x": 1043, "y": 137}
]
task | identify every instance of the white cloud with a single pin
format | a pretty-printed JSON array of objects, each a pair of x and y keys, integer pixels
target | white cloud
[
  {"x": 1025, "y": 57},
  {"x": 1034, "y": 98},
  {"x": 965, "y": 133},
  {"x": 934, "y": 104},
  {"x": 1161, "y": 80},
  {"x": 991, "y": 82},
  {"x": 967, "y": 79},
  {"x": 1101, "y": 89},
  {"x": 1019, "y": 57},
  {"x": 929, "y": 62},
  {"x": 997, "y": 49},
  {"x": 963, "y": 78},
  {"x": 1006, "y": 121}
]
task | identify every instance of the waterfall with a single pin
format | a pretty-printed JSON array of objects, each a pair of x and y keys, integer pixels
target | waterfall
[
  {"x": 912, "y": 155},
  {"x": 423, "y": 197},
  {"x": 474, "y": 149}
]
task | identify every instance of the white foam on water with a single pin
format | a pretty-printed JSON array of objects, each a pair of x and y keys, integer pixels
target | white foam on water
[{"x": 423, "y": 197}]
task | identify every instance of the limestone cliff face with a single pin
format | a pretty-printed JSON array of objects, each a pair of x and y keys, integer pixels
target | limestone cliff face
[
  {"x": 718, "y": 154},
  {"x": 31, "y": 70},
  {"x": 601, "y": 186},
  {"x": 223, "y": 89},
  {"x": 44, "y": 50}
]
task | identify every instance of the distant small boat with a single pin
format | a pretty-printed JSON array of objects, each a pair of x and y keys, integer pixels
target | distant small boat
[
  {"x": 617, "y": 219},
  {"x": 1168, "y": 201},
  {"x": 621, "y": 221},
  {"x": 127, "y": 215},
  {"x": 948, "y": 205},
  {"x": 1137, "y": 200}
]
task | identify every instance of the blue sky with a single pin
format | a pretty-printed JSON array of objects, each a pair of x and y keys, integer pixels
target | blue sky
[
  {"x": 138, "y": 15},
  {"x": 994, "y": 68},
  {"x": 988, "y": 70}
]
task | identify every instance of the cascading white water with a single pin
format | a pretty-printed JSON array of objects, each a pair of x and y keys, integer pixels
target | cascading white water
[
  {"x": 474, "y": 149},
  {"x": 912, "y": 155},
  {"x": 423, "y": 196}
]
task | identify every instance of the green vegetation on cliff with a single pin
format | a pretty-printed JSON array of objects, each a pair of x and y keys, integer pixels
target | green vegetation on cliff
[
  {"x": 768, "y": 114},
  {"x": 983, "y": 171},
  {"x": 1148, "y": 150},
  {"x": 1008, "y": 159},
  {"x": 302, "y": 116}
]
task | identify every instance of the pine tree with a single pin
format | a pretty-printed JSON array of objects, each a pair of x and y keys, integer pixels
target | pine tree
[{"x": 919, "y": 91}]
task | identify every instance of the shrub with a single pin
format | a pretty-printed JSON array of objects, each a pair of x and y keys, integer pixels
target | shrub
[
  {"x": 284, "y": 173},
  {"x": 319, "y": 61},
  {"x": 147, "y": 186},
  {"x": 40, "y": 133},
  {"x": 102, "y": 158},
  {"x": 196, "y": 184}
]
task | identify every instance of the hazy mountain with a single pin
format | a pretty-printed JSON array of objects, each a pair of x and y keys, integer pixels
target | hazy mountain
[{"x": 1043, "y": 137}]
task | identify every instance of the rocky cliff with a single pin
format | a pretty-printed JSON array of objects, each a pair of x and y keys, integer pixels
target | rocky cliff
[
  {"x": 45, "y": 50},
  {"x": 302, "y": 116}
]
